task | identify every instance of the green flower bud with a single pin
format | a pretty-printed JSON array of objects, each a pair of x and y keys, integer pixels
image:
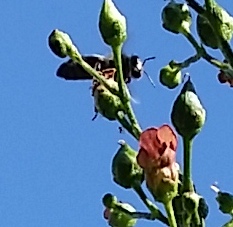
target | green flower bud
[
  {"x": 106, "y": 103},
  {"x": 125, "y": 169},
  {"x": 206, "y": 32},
  {"x": 109, "y": 200},
  {"x": 223, "y": 22},
  {"x": 118, "y": 218},
  {"x": 60, "y": 43},
  {"x": 170, "y": 76},
  {"x": 191, "y": 202},
  {"x": 163, "y": 183},
  {"x": 176, "y": 17},
  {"x": 225, "y": 201},
  {"x": 112, "y": 24},
  {"x": 188, "y": 115}
]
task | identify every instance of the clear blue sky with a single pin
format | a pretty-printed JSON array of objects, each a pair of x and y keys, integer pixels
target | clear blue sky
[{"x": 54, "y": 161}]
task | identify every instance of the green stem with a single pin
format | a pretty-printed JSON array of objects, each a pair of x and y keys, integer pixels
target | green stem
[
  {"x": 124, "y": 122},
  {"x": 123, "y": 91},
  {"x": 201, "y": 52},
  {"x": 156, "y": 213},
  {"x": 187, "y": 181},
  {"x": 170, "y": 214},
  {"x": 78, "y": 59},
  {"x": 196, "y": 6}
]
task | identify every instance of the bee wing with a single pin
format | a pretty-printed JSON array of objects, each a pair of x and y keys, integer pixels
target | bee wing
[{"x": 71, "y": 70}]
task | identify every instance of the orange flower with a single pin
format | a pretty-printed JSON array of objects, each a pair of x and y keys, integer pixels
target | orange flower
[
  {"x": 157, "y": 156},
  {"x": 157, "y": 147}
]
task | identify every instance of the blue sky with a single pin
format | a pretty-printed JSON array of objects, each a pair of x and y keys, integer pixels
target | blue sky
[{"x": 54, "y": 161}]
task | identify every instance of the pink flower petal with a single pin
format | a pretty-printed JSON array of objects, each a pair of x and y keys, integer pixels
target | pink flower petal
[{"x": 165, "y": 134}]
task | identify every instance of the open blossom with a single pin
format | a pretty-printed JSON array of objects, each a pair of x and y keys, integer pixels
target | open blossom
[
  {"x": 157, "y": 156},
  {"x": 157, "y": 147}
]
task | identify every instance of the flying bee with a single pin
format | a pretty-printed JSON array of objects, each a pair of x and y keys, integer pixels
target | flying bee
[{"x": 132, "y": 67}]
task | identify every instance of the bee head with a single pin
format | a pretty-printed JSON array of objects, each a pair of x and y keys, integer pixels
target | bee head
[{"x": 136, "y": 66}]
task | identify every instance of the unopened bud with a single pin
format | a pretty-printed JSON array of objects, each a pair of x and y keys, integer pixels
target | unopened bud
[
  {"x": 176, "y": 17},
  {"x": 225, "y": 201},
  {"x": 109, "y": 200},
  {"x": 106, "y": 103},
  {"x": 112, "y": 24},
  {"x": 125, "y": 169},
  {"x": 206, "y": 32},
  {"x": 188, "y": 115},
  {"x": 60, "y": 43},
  {"x": 118, "y": 218},
  {"x": 170, "y": 76}
]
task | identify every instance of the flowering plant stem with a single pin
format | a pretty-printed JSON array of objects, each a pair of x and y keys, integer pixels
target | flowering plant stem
[
  {"x": 202, "y": 53},
  {"x": 225, "y": 47},
  {"x": 170, "y": 212},
  {"x": 187, "y": 181},
  {"x": 156, "y": 213},
  {"x": 123, "y": 90},
  {"x": 78, "y": 59}
]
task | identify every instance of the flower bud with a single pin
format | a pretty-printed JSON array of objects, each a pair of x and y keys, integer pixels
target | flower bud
[
  {"x": 206, "y": 32},
  {"x": 163, "y": 183},
  {"x": 203, "y": 208},
  {"x": 188, "y": 115},
  {"x": 118, "y": 218},
  {"x": 109, "y": 200},
  {"x": 125, "y": 169},
  {"x": 112, "y": 24},
  {"x": 191, "y": 202},
  {"x": 225, "y": 201},
  {"x": 106, "y": 103},
  {"x": 223, "y": 22},
  {"x": 176, "y": 18},
  {"x": 60, "y": 43},
  {"x": 170, "y": 76}
]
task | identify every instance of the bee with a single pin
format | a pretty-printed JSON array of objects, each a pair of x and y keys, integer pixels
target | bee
[{"x": 132, "y": 67}]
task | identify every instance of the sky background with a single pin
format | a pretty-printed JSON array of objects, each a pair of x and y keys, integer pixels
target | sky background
[{"x": 54, "y": 161}]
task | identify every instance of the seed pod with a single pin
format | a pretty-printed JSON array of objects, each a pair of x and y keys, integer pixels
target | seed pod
[
  {"x": 125, "y": 169},
  {"x": 188, "y": 115}
]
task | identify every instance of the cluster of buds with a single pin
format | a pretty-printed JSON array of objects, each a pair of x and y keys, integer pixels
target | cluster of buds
[{"x": 157, "y": 156}]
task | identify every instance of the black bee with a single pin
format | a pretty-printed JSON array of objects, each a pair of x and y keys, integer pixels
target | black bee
[{"x": 132, "y": 67}]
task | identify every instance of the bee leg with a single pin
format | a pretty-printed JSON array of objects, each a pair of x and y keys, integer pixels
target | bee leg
[{"x": 96, "y": 114}]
